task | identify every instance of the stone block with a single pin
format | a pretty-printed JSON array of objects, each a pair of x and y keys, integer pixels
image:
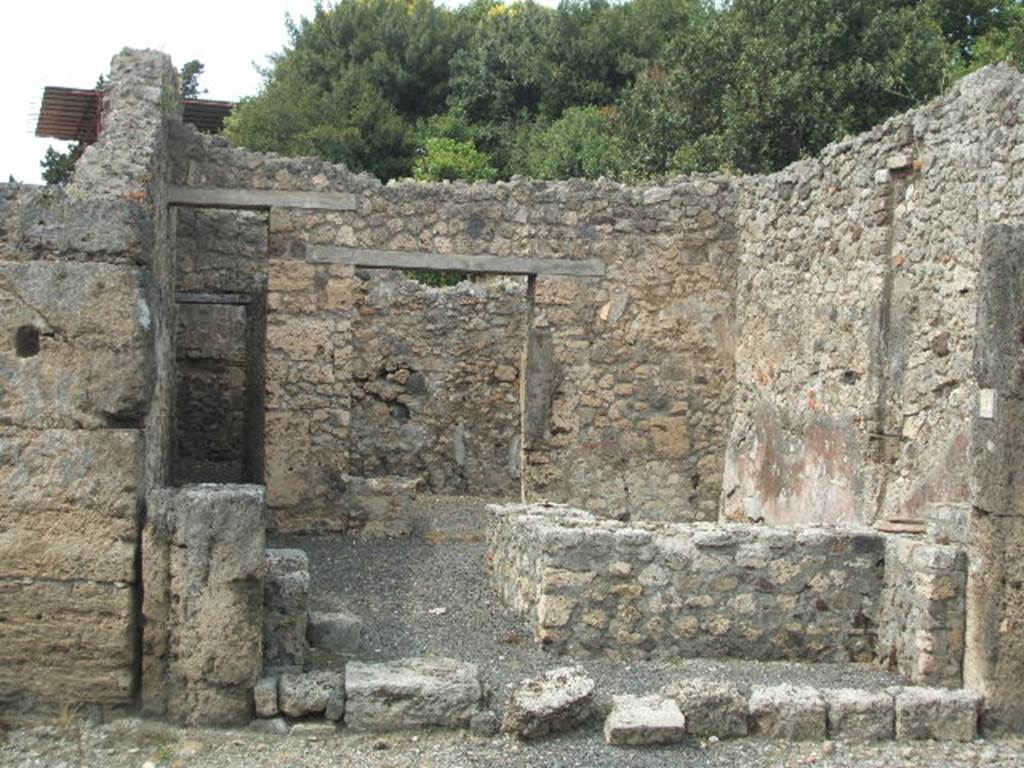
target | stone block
[
  {"x": 265, "y": 697},
  {"x": 338, "y": 632},
  {"x": 860, "y": 715},
  {"x": 936, "y": 713},
  {"x": 287, "y": 457},
  {"x": 949, "y": 524},
  {"x": 285, "y": 607},
  {"x": 644, "y": 720},
  {"x": 204, "y": 643},
  {"x": 559, "y": 700},
  {"x": 787, "y": 712},
  {"x": 712, "y": 707},
  {"x": 77, "y": 345},
  {"x": 70, "y": 506},
  {"x": 307, "y": 693},
  {"x": 411, "y": 693},
  {"x": 65, "y": 642},
  {"x": 994, "y": 658}
]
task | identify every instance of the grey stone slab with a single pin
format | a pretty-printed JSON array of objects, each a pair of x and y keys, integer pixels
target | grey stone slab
[
  {"x": 860, "y": 715},
  {"x": 644, "y": 720},
  {"x": 265, "y": 697},
  {"x": 286, "y": 607},
  {"x": 338, "y": 632},
  {"x": 307, "y": 693},
  {"x": 787, "y": 712},
  {"x": 557, "y": 701},
  {"x": 937, "y": 713},
  {"x": 712, "y": 707},
  {"x": 411, "y": 693},
  {"x": 479, "y": 263}
]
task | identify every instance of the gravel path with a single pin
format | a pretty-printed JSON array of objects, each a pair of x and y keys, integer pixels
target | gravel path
[
  {"x": 395, "y": 584},
  {"x": 139, "y": 744}
]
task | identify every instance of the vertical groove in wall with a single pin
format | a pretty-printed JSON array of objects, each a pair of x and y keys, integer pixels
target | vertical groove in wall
[{"x": 524, "y": 379}]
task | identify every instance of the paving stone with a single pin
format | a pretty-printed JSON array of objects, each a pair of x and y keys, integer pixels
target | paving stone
[
  {"x": 787, "y": 712},
  {"x": 937, "y": 713},
  {"x": 644, "y": 720},
  {"x": 338, "y": 632},
  {"x": 859, "y": 715},
  {"x": 559, "y": 700},
  {"x": 265, "y": 697},
  {"x": 276, "y": 726},
  {"x": 307, "y": 693},
  {"x": 411, "y": 693},
  {"x": 712, "y": 707}
]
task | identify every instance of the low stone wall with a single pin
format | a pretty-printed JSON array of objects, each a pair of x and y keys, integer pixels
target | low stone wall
[
  {"x": 923, "y": 611},
  {"x": 596, "y": 586}
]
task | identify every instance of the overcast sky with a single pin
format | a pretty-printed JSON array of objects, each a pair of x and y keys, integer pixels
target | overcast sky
[{"x": 70, "y": 43}]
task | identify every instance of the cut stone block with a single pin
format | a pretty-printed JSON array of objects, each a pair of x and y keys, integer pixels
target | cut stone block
[
  {"x": 787, "y": 712},
  {"x": 285, "y": 608},
  {"x": 265, "y": 697},
  {"x": 338, "y": 632},
  {"x": 307, "y": 693},
  {"x": 411, "y": 693},
  {"x": 937, "y": 713},
  {"x": 559, "y": 700},
  {"x": 643, "y": 720},
  {"x": 859, "y": 715},
  {"x": 712, "y": 708}
]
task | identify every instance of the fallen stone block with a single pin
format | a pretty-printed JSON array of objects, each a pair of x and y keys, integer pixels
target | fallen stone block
[
  {"x": 787, "y": 712},
  {"x": 307, "y": 693},
  {"x": 859, "y": 715},
  {"x": 411, "y": 693},
  {"x": 285, "y": 608},
  {"x": 275, "y": 726},
  {"x": 338, "y": 632},
  {"x": 644, "y": 720},
  {"x": 711, "y": 707},
  {"x": 265, "y": 697},
  {"x": 559, "y": 700},
  {"x": 937, "y": 713}
]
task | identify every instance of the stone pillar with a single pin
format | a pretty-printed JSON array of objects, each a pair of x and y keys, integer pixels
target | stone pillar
[
  {"x": 308, "y": 390},
  {"x": 994, "y": 659},
  {"x": 203, "y": 553}
]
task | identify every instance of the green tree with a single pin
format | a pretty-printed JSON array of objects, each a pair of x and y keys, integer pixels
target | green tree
[
  {"x": 189, "y": 75},
  {"x": 448, "y": 160},
  {"x": 580, "y": 144},
  {"x": 352, "y": 84}
]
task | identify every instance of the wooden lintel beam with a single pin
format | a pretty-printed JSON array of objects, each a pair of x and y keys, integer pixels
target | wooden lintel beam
[
  {"x": 259, "y": 199},
  {"x": 451, "y": 262}
]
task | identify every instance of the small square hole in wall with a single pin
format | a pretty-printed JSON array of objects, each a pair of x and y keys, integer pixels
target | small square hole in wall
[{"x": 26, "y": 341}]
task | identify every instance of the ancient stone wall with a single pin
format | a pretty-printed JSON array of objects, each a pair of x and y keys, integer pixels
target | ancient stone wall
[
  {"x": 628, "y": 397},
  {"x": 671, "y": 590},
  {"x": 436, "y": 382},
  {"x": 855, "y": 316},
  {"x": 85, "y": 411}
]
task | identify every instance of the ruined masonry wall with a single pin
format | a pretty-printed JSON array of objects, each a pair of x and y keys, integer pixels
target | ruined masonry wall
[
  {"x": 657, "y": 590},
  {"x": 437, "y": 379},
  {"x": 856, "y": 310},
  {"x": 84, "y": 413},
  {"x": 629, "y": 395}
]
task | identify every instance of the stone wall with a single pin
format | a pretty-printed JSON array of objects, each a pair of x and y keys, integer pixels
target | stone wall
[
  {"x": 84, "y": 404},
  {"x": 856, "y": 304},
  {"x": 628, "y": 404},
  {"x": 671, "y": 590},
  {"x": 436, "y": 382},
  {"x": 923, "y": 611}
]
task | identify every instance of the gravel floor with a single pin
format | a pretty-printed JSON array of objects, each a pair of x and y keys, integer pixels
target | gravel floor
[{"x": 395, "y": 584}]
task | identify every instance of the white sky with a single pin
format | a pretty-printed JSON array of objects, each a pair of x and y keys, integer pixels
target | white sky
[{"x": 71, "y": 42}]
